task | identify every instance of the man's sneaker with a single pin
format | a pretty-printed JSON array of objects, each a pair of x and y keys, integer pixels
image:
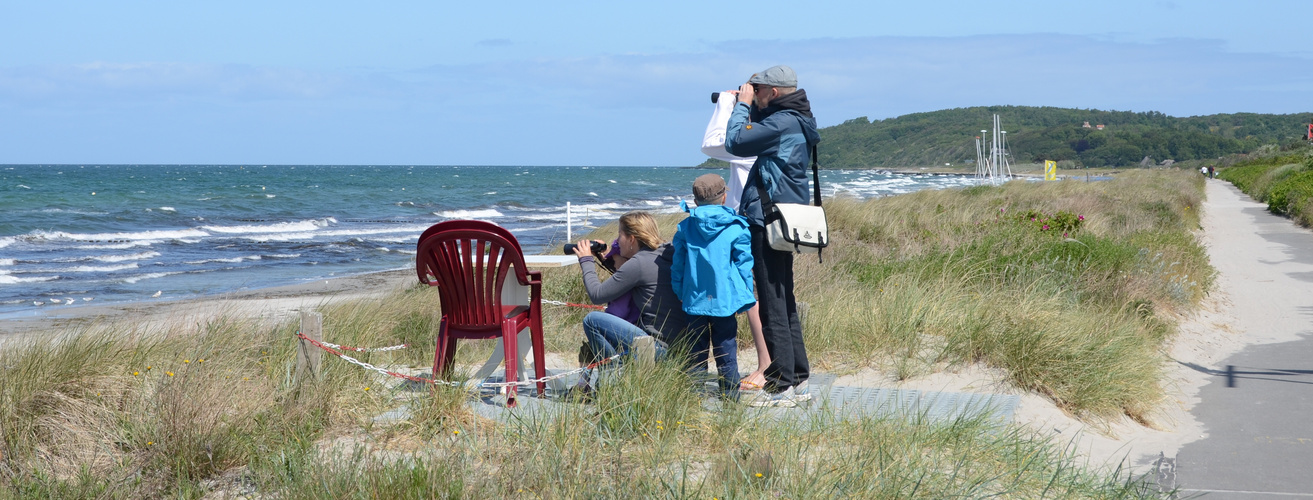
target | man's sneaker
[
  {"x": 802, "y": 392},
  {"x": 783, "y": 399}
]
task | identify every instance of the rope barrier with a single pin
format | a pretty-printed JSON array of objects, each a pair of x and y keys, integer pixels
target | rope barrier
[
  {"x": 571, "y": 304},
  {"x": 412, "y": 378},
  {"x": 367, "y": 349}
]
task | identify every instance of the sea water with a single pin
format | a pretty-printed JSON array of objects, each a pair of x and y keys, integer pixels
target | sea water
[{"x": 88, "y": 234}]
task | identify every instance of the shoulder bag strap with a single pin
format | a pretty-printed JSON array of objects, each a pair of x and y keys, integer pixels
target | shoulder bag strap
[{"x": 816, "y": 177}]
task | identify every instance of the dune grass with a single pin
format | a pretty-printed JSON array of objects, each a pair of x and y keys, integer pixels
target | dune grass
[{"x": 913, "y": 283}]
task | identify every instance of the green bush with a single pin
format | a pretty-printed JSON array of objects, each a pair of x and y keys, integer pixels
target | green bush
[{"x": 1284, "y": 182}]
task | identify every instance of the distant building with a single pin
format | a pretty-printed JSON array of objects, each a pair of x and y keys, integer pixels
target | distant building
[
  {"x": 1099, "y": 126},
  {"x": 1086, "y": 125}
]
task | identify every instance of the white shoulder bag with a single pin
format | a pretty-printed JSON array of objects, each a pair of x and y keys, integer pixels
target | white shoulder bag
[{"x": 795, "y": 226}]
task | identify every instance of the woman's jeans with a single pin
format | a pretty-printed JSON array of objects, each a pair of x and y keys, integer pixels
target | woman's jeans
[{"x": 609, "y": 335}]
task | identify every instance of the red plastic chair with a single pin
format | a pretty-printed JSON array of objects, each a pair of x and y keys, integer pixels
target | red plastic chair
[
  {"x": 470, "y": 261},
  {"x": 459, "y": 224}
]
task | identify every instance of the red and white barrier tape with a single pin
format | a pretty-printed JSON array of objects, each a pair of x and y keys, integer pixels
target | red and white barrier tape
[
  {"x": 518, "y": 383},
  {"x": 571, "y": 304},
  {"x": 366, "y": 349}
]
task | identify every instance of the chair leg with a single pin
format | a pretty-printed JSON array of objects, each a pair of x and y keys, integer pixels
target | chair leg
[
  {"x": 539, "y": 357},
  {"x": 508, "y": 337},
  {"x": 441, "y": 363}
]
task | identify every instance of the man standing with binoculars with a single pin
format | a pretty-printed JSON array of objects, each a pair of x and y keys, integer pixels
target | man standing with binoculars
[{"x": 773, "y": 121}]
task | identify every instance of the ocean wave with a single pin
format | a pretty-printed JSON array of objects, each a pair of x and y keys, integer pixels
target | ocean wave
[
  {"x": 149, "y": 276},
  {"x": 6, "y": 279},
  {"x": 229, "y": 260},
  {"x": 39, "y": 236},
  {"x": 279, "y": 227},
  {"x": 71, "y": 211},
  {"x": 99, "y": 269},
  {"x": 121, "y": 258},
  {"x": 414, "y": 230},
  {"x": 119, "y": 246},
  {"x": 6, "y": 262},
  {"x": 469, "y": 214}
]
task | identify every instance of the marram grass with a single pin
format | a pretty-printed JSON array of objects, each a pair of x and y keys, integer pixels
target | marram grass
[{"x": 912, "y": 283}]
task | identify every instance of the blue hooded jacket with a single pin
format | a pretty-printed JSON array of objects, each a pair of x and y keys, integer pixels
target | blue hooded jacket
[
  {"x": 711, "y": 270},
  {"x": 780, "y": 136}
]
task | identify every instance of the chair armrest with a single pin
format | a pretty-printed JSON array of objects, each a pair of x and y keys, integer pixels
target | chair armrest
[{"x": 535, "y": 278}]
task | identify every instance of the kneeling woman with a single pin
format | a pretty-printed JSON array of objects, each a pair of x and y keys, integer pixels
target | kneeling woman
[{"x": 646, "y": 274}]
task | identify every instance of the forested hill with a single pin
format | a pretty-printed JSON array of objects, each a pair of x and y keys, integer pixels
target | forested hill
[{"x": 1045, "y": 133}]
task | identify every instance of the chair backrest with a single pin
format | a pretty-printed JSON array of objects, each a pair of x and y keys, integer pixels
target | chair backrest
[
  {"x": 471, "y": 263},
  {"x": 461, "y": 224}
]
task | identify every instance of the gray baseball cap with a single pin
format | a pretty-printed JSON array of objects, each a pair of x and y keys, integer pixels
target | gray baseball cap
[{"x": 776, "y": 76}]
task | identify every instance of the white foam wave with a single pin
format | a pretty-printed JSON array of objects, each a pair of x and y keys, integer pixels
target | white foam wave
[
  {"x": 6, "y": 279},
  {"x": 100, "y": 269},
  {"x": 70, "y": 211},
  {"x": 409, "y": 230},
  {"x": 6, "y": 262},
  {"x": 280, "y": 227},
  {"x": 119, "y": 246},
  {"x": 121, "y": 258},
  {"x": 469, "y": 214},
  {"x": 168, "y": 209},
  {"x": 149, "y": 276},
  {"x": 125, "y": 237},
  {"x": 229, "y": 260},
  {"x": 537, "y": 228}
]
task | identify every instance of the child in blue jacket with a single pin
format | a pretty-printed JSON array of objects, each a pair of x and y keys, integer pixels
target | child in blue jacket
[{"x": 711, "y": 273}]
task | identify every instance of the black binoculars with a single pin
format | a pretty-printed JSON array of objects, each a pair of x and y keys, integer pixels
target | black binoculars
[{"x": 598, "y": 248}]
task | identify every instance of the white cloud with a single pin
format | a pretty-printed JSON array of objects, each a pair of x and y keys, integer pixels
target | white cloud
[{"x": 644, "y": 109}]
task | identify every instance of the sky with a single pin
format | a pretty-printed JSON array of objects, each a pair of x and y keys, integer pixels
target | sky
[{"x": 508, "y": 82}]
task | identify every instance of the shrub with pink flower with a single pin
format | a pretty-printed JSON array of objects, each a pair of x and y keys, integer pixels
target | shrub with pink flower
[{"x": 1063, "y": 222}]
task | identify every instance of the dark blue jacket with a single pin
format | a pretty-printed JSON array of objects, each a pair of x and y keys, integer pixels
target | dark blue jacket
[{"x": 780, "y": 136}]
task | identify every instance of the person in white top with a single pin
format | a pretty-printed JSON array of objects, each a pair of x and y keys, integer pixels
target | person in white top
[{"x": 713, "y": 145}]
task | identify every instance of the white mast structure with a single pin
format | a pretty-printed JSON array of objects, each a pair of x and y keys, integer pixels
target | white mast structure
[{"x": 996, "y": 167}]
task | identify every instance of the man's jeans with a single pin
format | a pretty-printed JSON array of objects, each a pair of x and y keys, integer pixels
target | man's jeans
[
  {"x": 772, "y": 272},
  {"x": 720, "y": 333}
]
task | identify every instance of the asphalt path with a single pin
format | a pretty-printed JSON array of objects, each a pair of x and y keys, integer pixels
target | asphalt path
[{"x": 1257, "y": 410}]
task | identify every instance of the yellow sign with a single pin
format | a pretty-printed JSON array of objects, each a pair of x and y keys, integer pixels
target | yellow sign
[{"x": 1050, "y": 170}]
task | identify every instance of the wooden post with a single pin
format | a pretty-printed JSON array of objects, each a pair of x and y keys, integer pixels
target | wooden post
[
  {"x": 307, "y": 354},
  {"x": 645, "y": 351}
]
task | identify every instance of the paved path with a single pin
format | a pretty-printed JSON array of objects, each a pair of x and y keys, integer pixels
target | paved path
[{"x": 1258, "y": 409}]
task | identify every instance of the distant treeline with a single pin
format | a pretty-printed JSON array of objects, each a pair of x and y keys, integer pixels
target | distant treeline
[{"x": 1046, "y": 133}]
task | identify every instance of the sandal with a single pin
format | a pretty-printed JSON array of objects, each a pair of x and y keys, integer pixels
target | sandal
[{"x": 749, "y": 386}]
